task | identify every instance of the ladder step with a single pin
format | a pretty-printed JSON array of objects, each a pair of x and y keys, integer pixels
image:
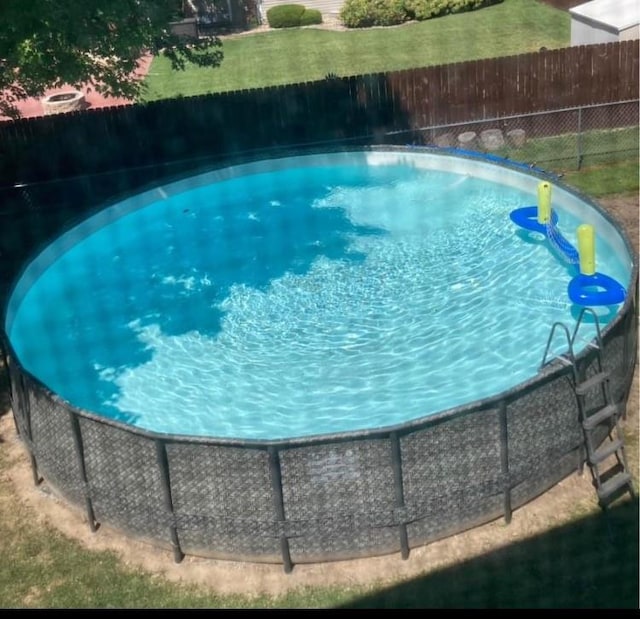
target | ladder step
[
  {"x": 593, "y": 344},
  {"x": 613, "y": 484},
  {"x": 604, "y": 413},
  {"x": 605, "y": 451},
  {"x": 593, "y": 381},
  {"x": 562, "y": 358}
]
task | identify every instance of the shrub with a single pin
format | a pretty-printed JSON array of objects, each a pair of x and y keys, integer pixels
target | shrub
[
  {"x": 365, "y": 13},
  {"x": 426, "y": 9},
  {"x": 355, "y": 14},
  {"x": 310, "y": 17},
  {"x": 420, "y": 9},
  {"x": 460, "y": 6},
  {"x": 285, "y": 15}
]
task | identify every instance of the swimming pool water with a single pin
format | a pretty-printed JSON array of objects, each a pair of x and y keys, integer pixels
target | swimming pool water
[{"x": 300, "y": 302}]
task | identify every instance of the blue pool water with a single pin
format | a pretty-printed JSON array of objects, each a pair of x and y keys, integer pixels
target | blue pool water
[{"x": 298, "y": 302}]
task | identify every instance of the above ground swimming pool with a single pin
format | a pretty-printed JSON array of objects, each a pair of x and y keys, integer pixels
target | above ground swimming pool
[{"x": 308, "y": 322}]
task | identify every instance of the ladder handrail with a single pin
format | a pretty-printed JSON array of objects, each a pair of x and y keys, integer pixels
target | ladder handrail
[
  {"x": 579, "y": 322},
  {"x": 564, "y": 328},
  {"x": 571, "y": 338}
]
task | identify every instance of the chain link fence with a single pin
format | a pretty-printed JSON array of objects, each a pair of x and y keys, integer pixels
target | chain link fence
[{"x": 564, "y": 140}]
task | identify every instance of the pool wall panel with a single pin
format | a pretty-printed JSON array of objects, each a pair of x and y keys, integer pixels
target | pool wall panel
[
  {"x": 452, "y": 473},
  {"x": 223, "y": 500},
  {"x": 125, "y": 480},
  {"x": 345, "y": 494},
  {"x": 542, "y": 425},
  {"x": 54, "y": 447}
]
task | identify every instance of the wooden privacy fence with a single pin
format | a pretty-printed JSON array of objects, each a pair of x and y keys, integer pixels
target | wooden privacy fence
[
  {"x": 523, "y": 84},
  {"x": 362, "y": 109}
]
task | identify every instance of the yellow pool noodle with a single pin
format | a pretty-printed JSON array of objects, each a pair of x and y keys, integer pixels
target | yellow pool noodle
[
  {"x": 587, "y": 249},
  {"x": 544, "y": 202}
]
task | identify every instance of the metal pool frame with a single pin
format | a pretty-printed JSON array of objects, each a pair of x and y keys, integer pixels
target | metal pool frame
[{"x": 328, "y": 497}]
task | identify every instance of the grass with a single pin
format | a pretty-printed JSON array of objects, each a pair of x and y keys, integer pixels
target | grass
[
  {"x": 306, "y": 54},
  {"x": 609, "y": 162},
  {"x": 588, "y": 562},
  {"x": 602, "y": 146},
  {"x": 599, "y": 181}
]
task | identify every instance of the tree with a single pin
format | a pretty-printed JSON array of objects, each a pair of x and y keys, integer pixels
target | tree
[{"x": 48, "y": 43}]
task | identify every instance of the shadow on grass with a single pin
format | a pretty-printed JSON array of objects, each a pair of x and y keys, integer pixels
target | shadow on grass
[{"x": 590, "y": 563}]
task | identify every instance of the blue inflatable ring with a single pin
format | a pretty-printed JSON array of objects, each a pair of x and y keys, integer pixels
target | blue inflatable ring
[
  {"x": 596, "y": 289},
  {"x": 527, "y": 218}
]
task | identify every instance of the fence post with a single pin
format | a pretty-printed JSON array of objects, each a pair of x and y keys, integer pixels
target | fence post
[{"x": 579, "y": 139}]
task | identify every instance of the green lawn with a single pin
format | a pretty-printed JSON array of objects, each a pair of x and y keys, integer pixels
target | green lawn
[
  {"x": 602, "y": 180},
  {"x": 609, "y": 146},
  {"x": 306, "y": 54}
]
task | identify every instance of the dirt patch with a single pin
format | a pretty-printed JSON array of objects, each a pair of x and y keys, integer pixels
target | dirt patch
[
  {"x": 562, "y": 503},
  {"x": 624, "y": 209}
]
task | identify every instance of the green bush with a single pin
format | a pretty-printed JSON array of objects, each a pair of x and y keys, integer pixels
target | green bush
[
  {"x": 292, "y": 16},
  {"x": 420, "y": 9},
  {"x": 311, "y": 17},
  {"x": 285, "y": 15},
  {"x": 426, "y": 9},
  {"x": 355, "y": 14},
  {"x": 460, "y": 6},
  {"x": 366, "y": 13}
]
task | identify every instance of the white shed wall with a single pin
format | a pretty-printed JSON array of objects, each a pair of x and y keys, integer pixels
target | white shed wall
[
  {"x": 605, "y": 21},
  {"x": 583, "y": 33}
]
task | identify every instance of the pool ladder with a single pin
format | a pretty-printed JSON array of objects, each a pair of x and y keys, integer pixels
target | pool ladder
[{"x": 607, "y": 461}]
